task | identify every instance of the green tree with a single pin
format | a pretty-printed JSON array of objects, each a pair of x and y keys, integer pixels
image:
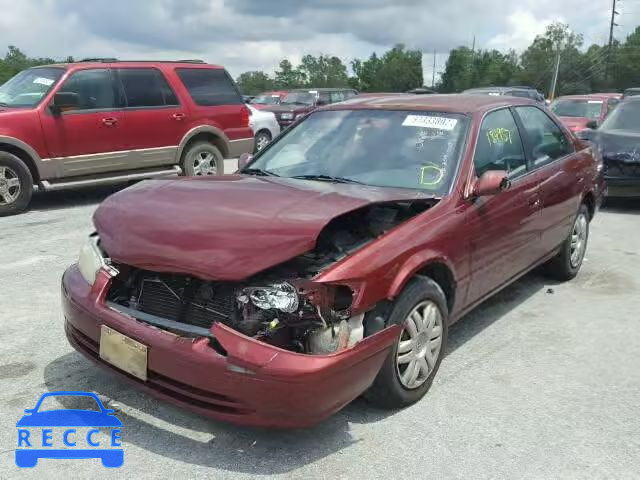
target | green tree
[
  {"x": 254, "y": 82},
  {"x": 288, "y": 76},
  {"x": 398, "y": 70},
  {"x": 324, "y": 71}
]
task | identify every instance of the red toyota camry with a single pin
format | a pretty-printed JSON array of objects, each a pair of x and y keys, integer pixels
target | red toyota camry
[{"x": 334, "y": 262}]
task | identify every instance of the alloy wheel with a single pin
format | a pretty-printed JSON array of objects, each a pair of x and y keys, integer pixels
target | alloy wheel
[
  {"x": 419, "y": 345},
  {"x": 204, "y": 163},
  {"x": 579, "y": 239},
  {"x": 9, "y": 186}
]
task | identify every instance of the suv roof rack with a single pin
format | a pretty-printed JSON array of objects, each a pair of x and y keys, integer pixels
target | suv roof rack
[{"x": 114, "y": 60}]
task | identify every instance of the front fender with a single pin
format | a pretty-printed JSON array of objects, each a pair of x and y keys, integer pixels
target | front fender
[{"x": 416, "y": 263}]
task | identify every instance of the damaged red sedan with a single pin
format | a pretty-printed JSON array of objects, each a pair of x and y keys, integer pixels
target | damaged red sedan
[{"x": 334, "y": 262}]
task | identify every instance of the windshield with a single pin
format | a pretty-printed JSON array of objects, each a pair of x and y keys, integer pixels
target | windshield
[
  {"x": 577, "y": 108},
  {"x": 626, "y": 116},
  {"x": 404, "y": 149},
  {"x": 29, "y": 87},
  {"x": 267, "y": 100},
  {"x": 299, "y": 98}
]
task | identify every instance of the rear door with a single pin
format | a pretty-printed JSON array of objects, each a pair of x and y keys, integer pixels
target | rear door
[
  {"x": 88, "y": 138},
  {"x": 502, "y": 228},
  {"x": 156, "y": 121},
  {"x": 558, "y": 169}
]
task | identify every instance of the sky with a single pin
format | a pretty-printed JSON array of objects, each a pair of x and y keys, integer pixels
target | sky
[{"x": 248, "y": 35}]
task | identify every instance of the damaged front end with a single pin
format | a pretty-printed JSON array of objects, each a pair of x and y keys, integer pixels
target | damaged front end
[{"x": 282, "y": 306}]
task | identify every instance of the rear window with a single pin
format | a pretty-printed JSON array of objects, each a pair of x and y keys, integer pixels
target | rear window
[
  {"x": 577, "y": 108},
  {"x": 209, "y": 87},
  {"x": 146, "y": 87}
]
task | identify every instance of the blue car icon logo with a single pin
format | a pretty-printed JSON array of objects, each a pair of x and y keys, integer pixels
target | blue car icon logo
[{"x": 33, "y": 444}]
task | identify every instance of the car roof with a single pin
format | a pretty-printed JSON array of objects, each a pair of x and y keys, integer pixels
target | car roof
[
  {"x": 497, "y": 89},
  {"x": 322, "y": 89},
  {"x": 134, "y": 63},
  {"x": 590, "y": 96},
  {"x": 632, "y": 89},
  {"x": 454, "y": 103}
]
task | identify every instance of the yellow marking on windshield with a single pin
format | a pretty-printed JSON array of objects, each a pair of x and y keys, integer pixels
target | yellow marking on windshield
[{"x": 429, "y": 170}]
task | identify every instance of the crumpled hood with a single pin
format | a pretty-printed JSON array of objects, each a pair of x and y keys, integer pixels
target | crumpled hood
[{"x": 225, "y": 228}]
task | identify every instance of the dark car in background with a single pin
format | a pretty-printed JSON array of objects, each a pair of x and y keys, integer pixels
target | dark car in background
[
  {"x": 617, "y": 144},
  {"x": 297, "y": 103},
  {"x": 578, "y": 112},
  {"x": 631, "y": 92},
  {"x": 516, "y": 91}
]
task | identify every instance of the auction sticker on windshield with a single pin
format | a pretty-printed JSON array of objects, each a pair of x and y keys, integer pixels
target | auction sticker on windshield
[{"x": 427, "y": 121}]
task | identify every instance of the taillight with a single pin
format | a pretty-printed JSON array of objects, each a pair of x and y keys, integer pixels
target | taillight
[{"x": 244, "y": 116}]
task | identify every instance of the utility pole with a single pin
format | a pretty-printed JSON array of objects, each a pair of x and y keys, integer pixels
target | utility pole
[
  {"x": 613, "y": 24},
  {"x": 554, "y": 81},
  {"x": 433, "y": 75}
]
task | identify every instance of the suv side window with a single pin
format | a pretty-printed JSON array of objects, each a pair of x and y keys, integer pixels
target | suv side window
[
  {"x": 146, "y": 87},
  {"x": 337, "y": 96},
  {"x": 544, "y": 140},
  {"x": 209, "y": 87},
  {"x": 499, "y": 145},
  {"x": 325, "y": 97},
  {"x": 95, "y": 89}
]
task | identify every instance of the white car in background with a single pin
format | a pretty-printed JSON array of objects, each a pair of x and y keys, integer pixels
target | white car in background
[{"x": 265, "y": 127}]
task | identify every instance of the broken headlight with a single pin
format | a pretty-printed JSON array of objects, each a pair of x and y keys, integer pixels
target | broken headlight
[{"x": 281, "y": 296}]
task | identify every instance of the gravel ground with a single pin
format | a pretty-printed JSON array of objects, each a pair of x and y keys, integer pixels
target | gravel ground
[{"x": 543, "y": 381}]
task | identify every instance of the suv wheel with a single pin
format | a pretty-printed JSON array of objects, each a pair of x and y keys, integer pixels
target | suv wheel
[
  {"x": 202, "y": 158},
  {"x": 16, "y": 185}
]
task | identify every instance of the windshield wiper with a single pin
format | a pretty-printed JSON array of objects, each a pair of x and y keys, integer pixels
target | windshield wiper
[
  {"x": 328, "y": 178},
  {"x": 259, "y": 172}
]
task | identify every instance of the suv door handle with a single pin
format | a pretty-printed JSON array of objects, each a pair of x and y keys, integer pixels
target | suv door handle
[
  {"x": 109, "y": 121},
  {"x": 178, "y": 116}
]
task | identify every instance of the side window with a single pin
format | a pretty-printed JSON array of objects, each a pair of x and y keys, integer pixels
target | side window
[
  {"x": 337, "y": 96},
  {"x": 613, "y": 102},
  {"x": 499, "y": 145},
  {"x": 518, "y": 93},
  {"x": 146, "y": 87},
  {"x": 325, "y": 97},
  {"x": 94, "y": 88},
  {"x": 544, "y": 140},
  {"x": 209, "y": 87}
]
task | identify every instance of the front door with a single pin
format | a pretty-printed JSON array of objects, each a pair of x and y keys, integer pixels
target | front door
[
  {"x": 502, "y": 228},
  {"x": 88, "y": 138}
]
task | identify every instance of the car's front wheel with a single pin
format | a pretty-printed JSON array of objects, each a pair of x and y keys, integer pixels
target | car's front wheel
[
  {"x": 566, "y": 264},
  {"x": 407, "y": 373},
  {"x": 16, "y": 185}
]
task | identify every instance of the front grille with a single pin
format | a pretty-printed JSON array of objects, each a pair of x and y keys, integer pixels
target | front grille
[{"x": 201, "y": 303}]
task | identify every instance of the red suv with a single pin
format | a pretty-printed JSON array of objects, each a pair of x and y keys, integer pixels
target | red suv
[{"x": 103, "y": 121}]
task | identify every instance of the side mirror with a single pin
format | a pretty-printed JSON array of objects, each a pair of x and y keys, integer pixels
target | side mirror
[
  {"x": 62, "y": 100},
  {"x": 491, "y": 183},
  {"x": 29, "y": 410},
  {"x": 592, "y": 124},
  {"x": 244, "y": 160}
]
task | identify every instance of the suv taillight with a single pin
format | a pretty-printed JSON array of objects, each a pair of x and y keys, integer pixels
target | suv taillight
[{"x": 244, "y": 116}]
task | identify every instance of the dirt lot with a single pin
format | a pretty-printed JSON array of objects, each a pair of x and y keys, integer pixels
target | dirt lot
[{"x": 541, "y": 382}]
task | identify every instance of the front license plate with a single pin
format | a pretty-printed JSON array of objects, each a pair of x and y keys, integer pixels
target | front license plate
[{"x": 123, "y": 352}]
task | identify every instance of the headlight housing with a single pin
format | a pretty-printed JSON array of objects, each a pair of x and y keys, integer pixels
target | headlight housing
[
  {"x": 90, "y": 260},
  {"x": 281, "y": 296},
  {"x": 287, "y": 116}
]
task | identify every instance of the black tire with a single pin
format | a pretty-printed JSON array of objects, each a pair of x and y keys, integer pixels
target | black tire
[
  {"x": 12, "y": 168},
  {"x": 561, "y": 267},
  {"x": 387, "y": 390},
  {"x": 189, "y": 160},
  {"x": 262, "y": 136}
]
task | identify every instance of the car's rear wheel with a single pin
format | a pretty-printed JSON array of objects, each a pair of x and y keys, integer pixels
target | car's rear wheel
[
  {"x": 202, "y": 158},
  {"x": 566, "y": 264},
  {"x": 16, "y": 185},
  {"x": 408, "y": 372},
  {"x": 263, "y": 137}
]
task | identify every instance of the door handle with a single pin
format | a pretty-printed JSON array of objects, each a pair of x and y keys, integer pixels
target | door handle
[
  {"x": 178, "y": 116},
  {"x": 109, "y": 121}
]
